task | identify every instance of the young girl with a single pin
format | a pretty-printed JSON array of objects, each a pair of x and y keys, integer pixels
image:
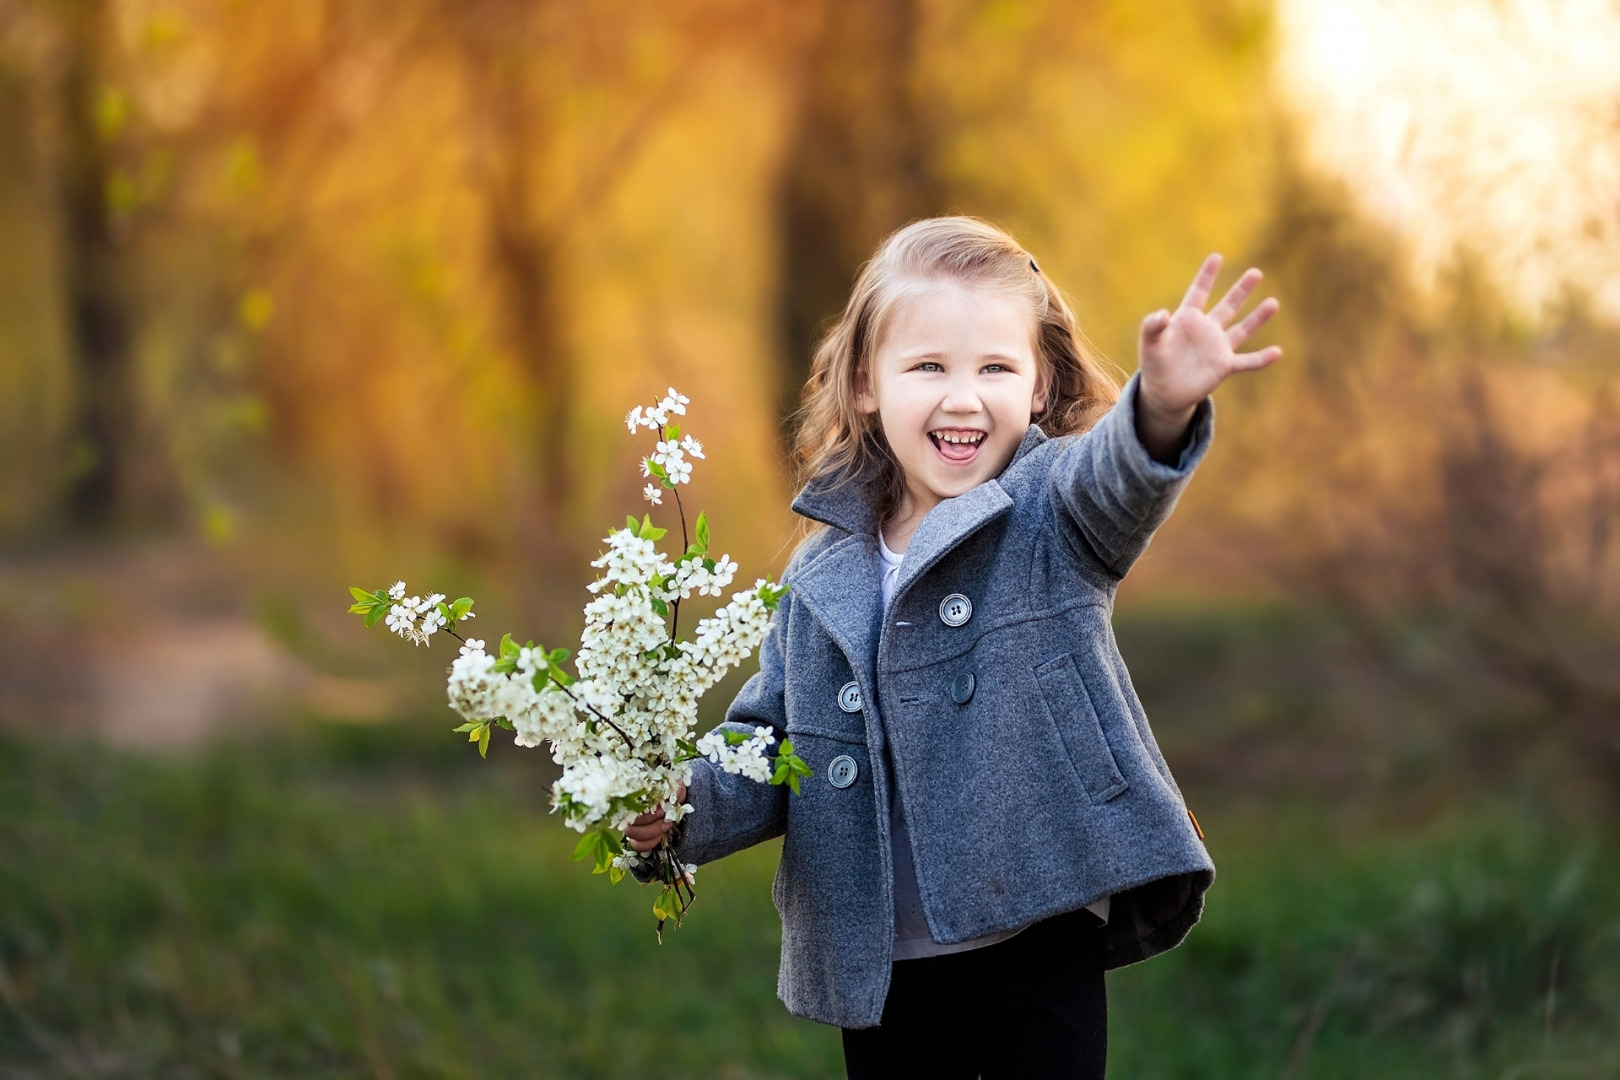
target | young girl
[{"x": 990, "y": 825}]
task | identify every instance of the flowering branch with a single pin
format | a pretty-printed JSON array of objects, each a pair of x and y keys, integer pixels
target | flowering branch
[{"x": 634, "y": 677}]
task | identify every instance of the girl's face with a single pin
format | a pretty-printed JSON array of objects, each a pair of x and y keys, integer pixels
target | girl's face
[{"x": 954, "y": 382}]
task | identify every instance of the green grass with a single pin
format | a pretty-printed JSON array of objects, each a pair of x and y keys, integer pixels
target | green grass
[{"x": 367, "y": 902}]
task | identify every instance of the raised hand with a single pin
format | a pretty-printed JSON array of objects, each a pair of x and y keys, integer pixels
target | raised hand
[{"x": 1187, "y": 353}]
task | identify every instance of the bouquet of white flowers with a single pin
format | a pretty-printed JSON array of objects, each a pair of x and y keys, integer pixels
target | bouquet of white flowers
[{"x": 623, "y": 724}]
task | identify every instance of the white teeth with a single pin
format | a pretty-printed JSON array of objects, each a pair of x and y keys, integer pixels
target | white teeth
[{"x": 954, "y": 437}]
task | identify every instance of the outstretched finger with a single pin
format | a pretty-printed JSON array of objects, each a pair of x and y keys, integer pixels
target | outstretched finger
[
  {"x": 1198, "y": 292},
  {"x": 1250, "y": 361},
  {"x": 1240, "y": 332},
  {"x": 1235, "y": 297}
]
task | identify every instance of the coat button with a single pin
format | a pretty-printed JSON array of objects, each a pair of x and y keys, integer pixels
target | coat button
[
  {"x": 842, "y": 771},
  {"x": 962, "y": 688},
  {"x": 955, "y": 609},
  {"x": 849, "y": 697}
]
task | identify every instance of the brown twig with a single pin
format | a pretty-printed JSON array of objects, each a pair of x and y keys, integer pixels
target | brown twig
[{"x": 599, "y": 715}]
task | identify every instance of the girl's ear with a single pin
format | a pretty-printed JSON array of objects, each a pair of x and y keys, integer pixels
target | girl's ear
[
  {"x": 865, "y": 400},
  {"x": 1043, "y": 387}
]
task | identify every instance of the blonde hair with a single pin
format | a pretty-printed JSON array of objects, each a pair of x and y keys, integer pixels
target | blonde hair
[{"x": 835, "y": 441}]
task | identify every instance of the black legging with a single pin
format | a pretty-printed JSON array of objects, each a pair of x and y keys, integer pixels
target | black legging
[{"x": 1032, "y": 1007}]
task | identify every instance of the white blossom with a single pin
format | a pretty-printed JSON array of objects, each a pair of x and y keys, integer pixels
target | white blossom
[
  {"x": 623, "y": 728},
  {"x": 400, "y": 619},
  {"x": 747, "y": 759}
]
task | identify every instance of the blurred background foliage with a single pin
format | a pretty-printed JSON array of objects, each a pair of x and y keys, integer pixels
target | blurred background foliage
[{"x": 301, "y": 295}]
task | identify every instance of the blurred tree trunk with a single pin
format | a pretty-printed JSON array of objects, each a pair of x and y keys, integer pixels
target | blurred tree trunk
[
  {"x": 510, "y": 135},
  {"x": 97, "y": 287},
  {"x": 860, "y": 163}
]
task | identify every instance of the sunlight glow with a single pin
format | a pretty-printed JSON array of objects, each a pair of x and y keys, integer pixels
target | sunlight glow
[{"x": 1487, "y": 125}]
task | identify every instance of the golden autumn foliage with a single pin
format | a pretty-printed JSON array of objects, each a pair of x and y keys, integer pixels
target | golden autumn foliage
[{"x": 336, "y": 280}]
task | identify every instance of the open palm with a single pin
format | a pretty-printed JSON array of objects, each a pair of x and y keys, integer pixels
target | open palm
[{"x": 1187, "y": 353}]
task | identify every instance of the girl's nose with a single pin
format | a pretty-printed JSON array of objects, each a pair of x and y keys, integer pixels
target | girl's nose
[{"x": 961, "y": 396}]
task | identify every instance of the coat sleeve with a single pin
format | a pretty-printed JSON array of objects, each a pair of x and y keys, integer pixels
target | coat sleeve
[
  {"x": 732, "y": 812},
  {"x": 1109, "y": 495}
]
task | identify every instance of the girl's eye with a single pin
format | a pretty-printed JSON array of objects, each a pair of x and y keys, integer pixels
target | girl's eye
[
  {"x": 994, "y": 367},
  {"x": 929, "y": 365}
]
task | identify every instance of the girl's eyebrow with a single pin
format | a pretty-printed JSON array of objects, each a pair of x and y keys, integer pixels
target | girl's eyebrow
[{"x": 1007, "y": 358}]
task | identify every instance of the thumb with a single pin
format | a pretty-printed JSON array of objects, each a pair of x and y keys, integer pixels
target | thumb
[{"x": 1154, "y": 325}]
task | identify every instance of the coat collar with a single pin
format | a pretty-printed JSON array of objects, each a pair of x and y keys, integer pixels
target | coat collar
[{"x": 853, "y": 616}]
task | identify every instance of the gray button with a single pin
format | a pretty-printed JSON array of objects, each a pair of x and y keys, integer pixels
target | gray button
[
  {"x": 962, "y": 688},
  {"x": 849, "y": 697},
  {"x": 842, "y": 771},
  {"x": 955, "y": 609}
]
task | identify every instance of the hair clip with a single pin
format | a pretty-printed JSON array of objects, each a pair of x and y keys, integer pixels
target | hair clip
[{"x": 1032, "y": 265}]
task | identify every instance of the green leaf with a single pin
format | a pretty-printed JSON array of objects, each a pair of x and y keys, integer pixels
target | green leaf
[
  {"x": 770, "y": 594},
  {"x": 558, "y": 675},
  {"x": 600, "y": 845},
  {"x": 659, "y": 606},
  {"x": 786, "y": 749},
  {"x": 507, "y": 644},
  {"x": 360, "y": 594},
  {"x": 361, "y": 609},
  {"x": 461, "y": 606},
  {"x": 376, "y": 613},
  {"x": 631, "y": 523},
  {"x": 483, "y": 742},
  {"x": 703, "y": 530},
  {"x": 672, "y": 433},
  {"x": 615, "y": 874},
  {"x": 504, "y": 722},
  {"x": 659, "y": 471},
  {"x": 793, "y": 783},
  {"x": 736, "y": 738},
  {"x": 557, "y": 655}
]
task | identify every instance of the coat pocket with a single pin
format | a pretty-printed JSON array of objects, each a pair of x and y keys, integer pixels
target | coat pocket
[{"x": 1075, "y": 717}]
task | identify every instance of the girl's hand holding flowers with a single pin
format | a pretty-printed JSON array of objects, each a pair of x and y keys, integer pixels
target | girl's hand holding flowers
[
  {"x": 648, "y": 829},
  {"x": 1187, "y": 353}
]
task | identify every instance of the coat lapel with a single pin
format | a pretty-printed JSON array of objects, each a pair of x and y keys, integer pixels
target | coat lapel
[
  {"x": 946, "y": 526},
  {"x": 841, "y": 585}
]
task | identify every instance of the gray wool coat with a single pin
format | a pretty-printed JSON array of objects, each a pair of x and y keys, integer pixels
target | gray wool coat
[{"x": 991, "y": 699}]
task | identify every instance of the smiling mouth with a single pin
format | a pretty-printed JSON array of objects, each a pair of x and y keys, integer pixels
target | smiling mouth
[{"x": 957, "y": 445}]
